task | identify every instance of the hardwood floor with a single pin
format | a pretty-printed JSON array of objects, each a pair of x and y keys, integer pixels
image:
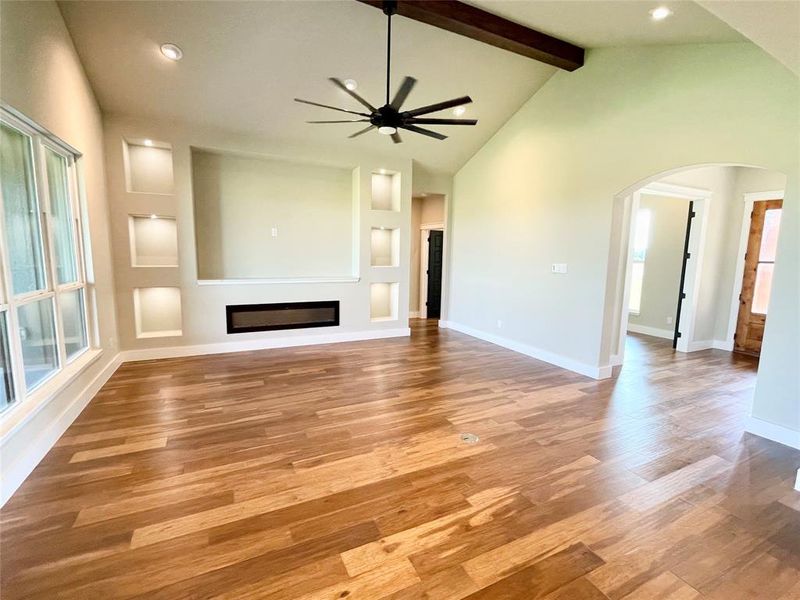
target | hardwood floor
[{"x": 339, "y": 472}]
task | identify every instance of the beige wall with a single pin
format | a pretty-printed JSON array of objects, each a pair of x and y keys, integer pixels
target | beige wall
[
  {"x": 238, "y": 200},
  {"x": 424, "y": 211},
  {"x": 203, "y": 323},
  {"x": 542, "y": 191},
  {"x": 662, "y": 269},
  {"x": 727, "y": 185},
  {"x": 43, "y": 78}
]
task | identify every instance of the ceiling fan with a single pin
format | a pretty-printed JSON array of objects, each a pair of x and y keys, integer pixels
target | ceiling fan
[{"x": 388, "y": 119}]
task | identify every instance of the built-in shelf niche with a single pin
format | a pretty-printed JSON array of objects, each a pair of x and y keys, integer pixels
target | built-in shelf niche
[
  {"x": 157, "y": 312},
  {"x": 148, "y": 166},
  {"x": 385, "y": 191},
  {"x": 383, "y": 301},
  {"x": 385, "y": 247},
  {"x": 154, "y": 241}
]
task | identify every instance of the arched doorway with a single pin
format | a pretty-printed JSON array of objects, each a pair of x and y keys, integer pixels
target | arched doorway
[{"x": 707, "y": 298}]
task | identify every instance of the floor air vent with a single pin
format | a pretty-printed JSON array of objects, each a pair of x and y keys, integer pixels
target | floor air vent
[{"x": 243, "y": 318}]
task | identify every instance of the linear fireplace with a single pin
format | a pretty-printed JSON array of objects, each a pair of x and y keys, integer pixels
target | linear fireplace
[{"x": 243, "y": 318}]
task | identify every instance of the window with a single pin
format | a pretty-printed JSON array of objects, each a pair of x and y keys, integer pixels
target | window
[
  {"x": 641, "y": 237},
  {"x": 766, "y": 260},
  {"x": 43, "y": 315}
]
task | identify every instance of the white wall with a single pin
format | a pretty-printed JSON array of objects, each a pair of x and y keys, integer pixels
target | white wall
[
  {"x": 542, "y": 191},
  {"x": 203, "y": 323},
  {"x": 663, "y": 262},
  {"x": 239, "y": 200},
  {"x": 43, "y": 78}
]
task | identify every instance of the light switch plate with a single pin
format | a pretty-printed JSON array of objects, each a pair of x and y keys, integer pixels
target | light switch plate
[{"x": 559, "y": 268}]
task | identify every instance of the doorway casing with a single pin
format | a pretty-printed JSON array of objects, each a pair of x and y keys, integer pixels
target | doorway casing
[{"x": 628, "y": 204}]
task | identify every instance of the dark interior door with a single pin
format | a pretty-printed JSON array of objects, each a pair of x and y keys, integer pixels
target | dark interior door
[{"x": 435, "y": 247}]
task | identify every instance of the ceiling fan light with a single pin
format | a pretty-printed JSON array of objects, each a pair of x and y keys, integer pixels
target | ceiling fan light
[{"x": 386, "y": 130}]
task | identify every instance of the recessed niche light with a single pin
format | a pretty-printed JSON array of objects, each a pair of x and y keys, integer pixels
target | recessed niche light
[
  {"x": 660, "y": 13},
  {"x": 386, "y": 130},
  {"x": 171, "y": 51},
  {"x": 459, "y": 110},
  {"x": 148, "y": 143},
  {"x": 350, "y": 84}
]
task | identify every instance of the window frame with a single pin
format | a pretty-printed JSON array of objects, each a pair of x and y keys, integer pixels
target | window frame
[
  {"x": 40, "y": 142},
  {"x": 639, "y": 257}
]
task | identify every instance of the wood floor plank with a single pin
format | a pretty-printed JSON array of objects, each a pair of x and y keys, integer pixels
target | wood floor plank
[{"x": 339, "y": 471}]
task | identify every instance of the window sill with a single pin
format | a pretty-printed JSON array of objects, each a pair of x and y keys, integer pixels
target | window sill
[{"x": 24, "y": 410}]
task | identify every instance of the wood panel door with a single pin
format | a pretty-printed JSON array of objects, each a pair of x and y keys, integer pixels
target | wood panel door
[{"x": 759, "y": 262}]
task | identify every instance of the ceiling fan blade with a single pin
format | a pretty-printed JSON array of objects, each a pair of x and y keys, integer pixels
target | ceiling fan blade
[
  {"x": 339, "y": 83},
  {"x": 346, "y": 121},
  {"x": 424, "y": 121},
  {"x": 352, "y": 112},
  {"x": 360, "y": 131},
  {"x": 396, "y": 138},
  {"x": 424, "y": 110},
  {"x": 427, "y": 132},
  {"x": 402, "y": 92}
]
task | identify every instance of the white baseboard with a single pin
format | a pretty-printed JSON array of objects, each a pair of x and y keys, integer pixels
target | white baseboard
[
  {"x": 262, "y": 344},
  {"x": 723, "y": 345},
  {"x": 14, "y": 472},
  {"x": 772, "y": 431},
  {"x": 595, "y": 372},
  {"x": 654, "y": 331}
]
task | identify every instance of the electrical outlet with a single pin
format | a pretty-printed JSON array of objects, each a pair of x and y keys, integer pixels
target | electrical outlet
[
  {"x": 669, "y": 320},
  {"x": 499, "y": 324},
  {"x": 274, "y": 232}
]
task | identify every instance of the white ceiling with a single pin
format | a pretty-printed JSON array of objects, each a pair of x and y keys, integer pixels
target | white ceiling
[
  {"x": 245, "y": 61},
  {"x": 603, "y": 23},
  {"x": 772, "y": 24}
]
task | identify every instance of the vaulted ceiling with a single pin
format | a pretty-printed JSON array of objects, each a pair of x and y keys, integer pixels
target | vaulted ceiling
[{"x": 244, "y": 62}]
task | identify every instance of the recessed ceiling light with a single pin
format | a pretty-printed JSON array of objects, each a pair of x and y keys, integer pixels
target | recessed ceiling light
[
  {"x": 148, "y": 143},
  {"x": 660, "y": 13},
  {"x": 459, "y": 110},
  {"x": 171, "y": 51},
  {"x": 350, "y": 84}
]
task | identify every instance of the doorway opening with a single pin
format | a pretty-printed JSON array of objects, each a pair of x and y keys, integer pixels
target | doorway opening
[
  {"x": 760, "y": 241},
  {"x": 692, "y": 259},
  {"x": 427, "y": 256}
]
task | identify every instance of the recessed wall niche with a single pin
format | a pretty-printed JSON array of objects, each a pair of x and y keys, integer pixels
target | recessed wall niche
[
  {"x": 157, "y": 312},
  {"x": 267, "y": 217},
  {"x": 148, "y": 166},
  {"x": 385, "y": 247},
  {"x": 383, "y": 301},
  {"x": 385, "y": 191},
  {"x": 154, "y": 241}
]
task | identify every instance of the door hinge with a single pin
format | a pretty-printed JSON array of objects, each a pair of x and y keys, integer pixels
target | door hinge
[
  {"x": 683, "y": 295},
  {"x": 688, "y": 255},
  {"x": 734, "y": 336},
  {"x": 693, "y": 215},
  {"x": 677, "y": 335}
]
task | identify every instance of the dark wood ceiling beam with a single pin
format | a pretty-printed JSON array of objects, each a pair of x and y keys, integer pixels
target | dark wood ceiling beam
[{"x": 488, "y": 28}]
